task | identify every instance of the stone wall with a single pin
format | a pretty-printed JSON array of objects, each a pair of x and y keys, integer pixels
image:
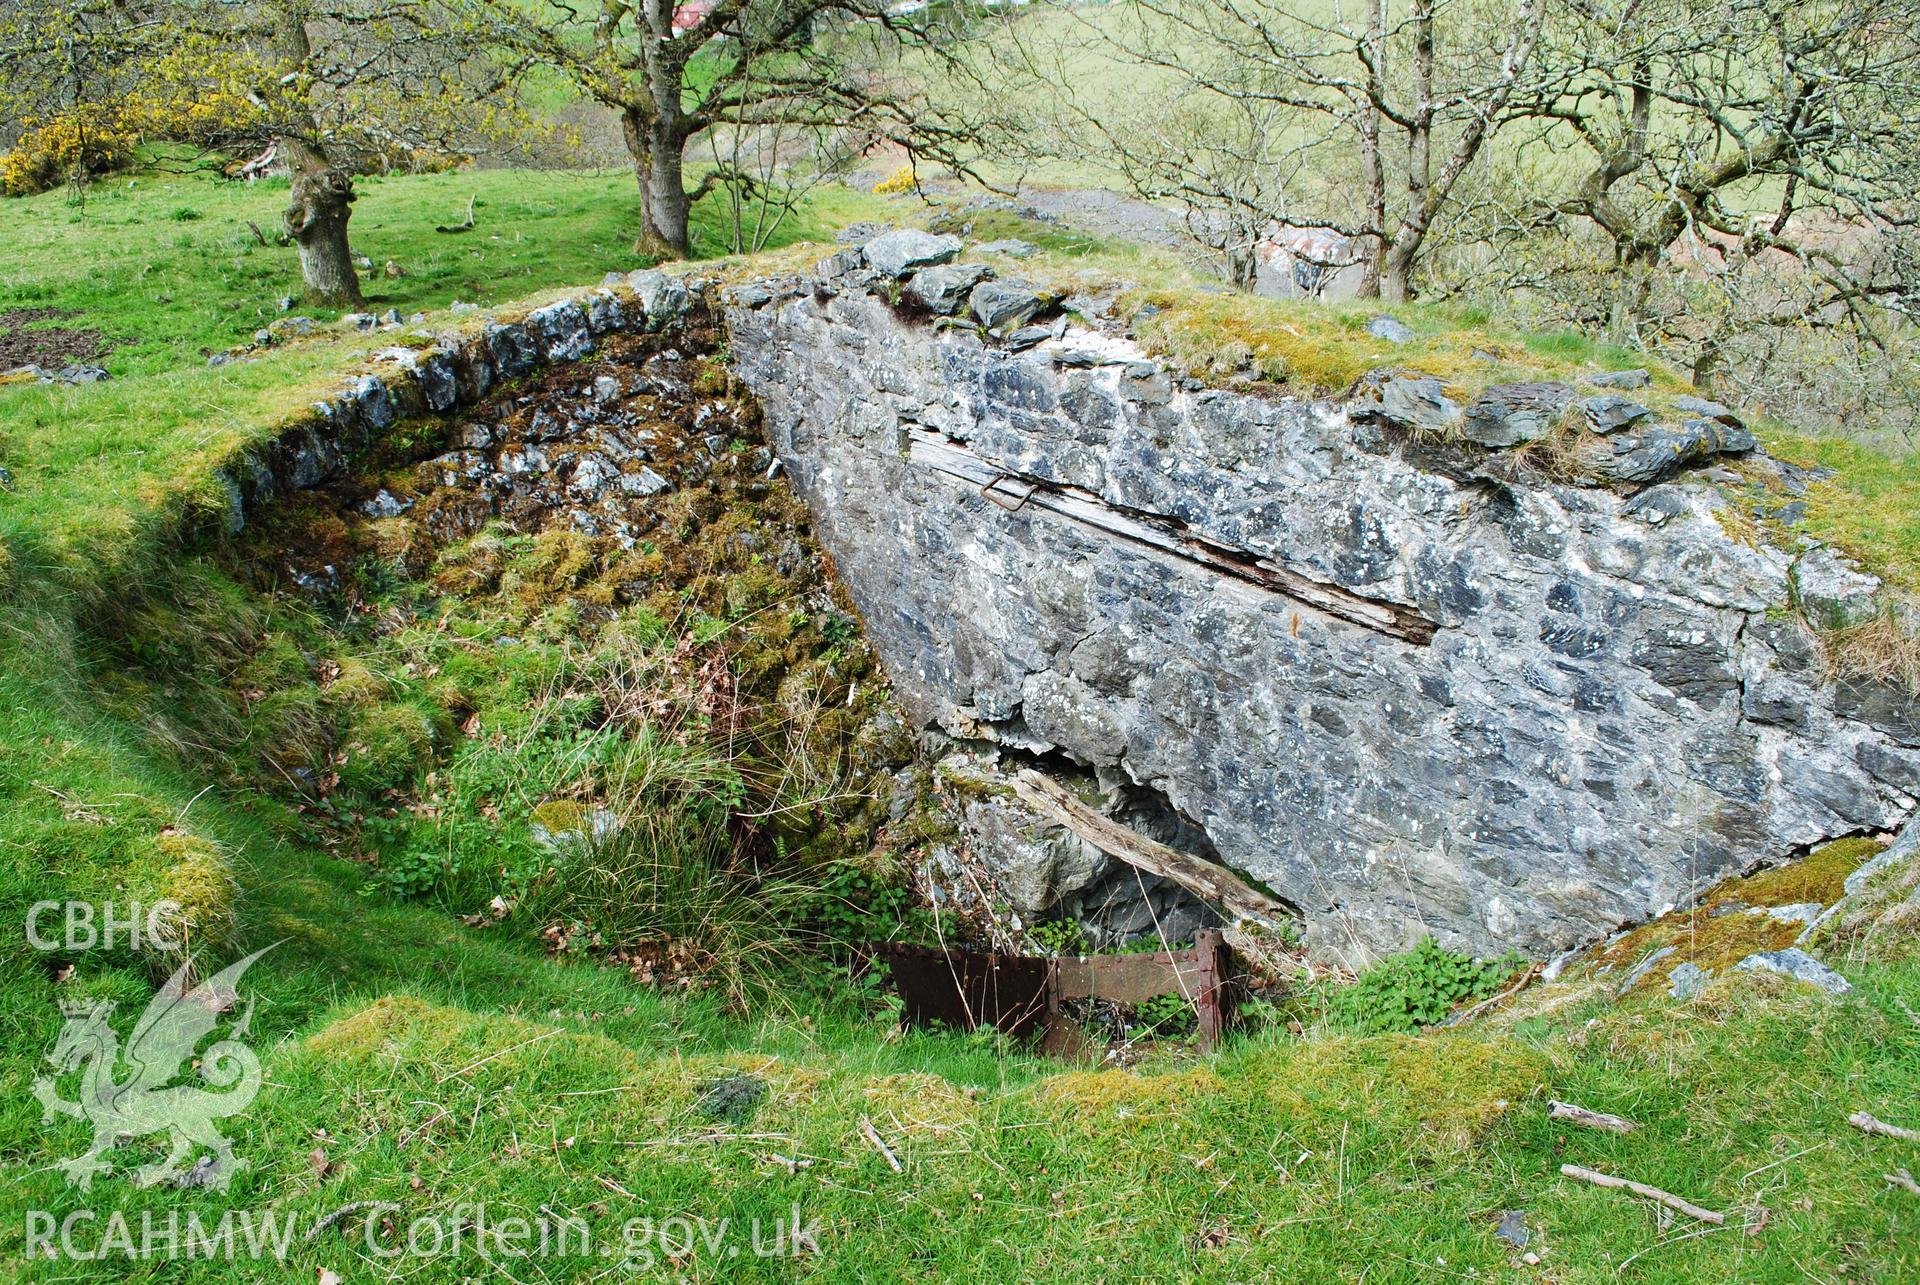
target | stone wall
[
  {"x": 450, "y": 372},
  {"x": 1403, "y": 688}
]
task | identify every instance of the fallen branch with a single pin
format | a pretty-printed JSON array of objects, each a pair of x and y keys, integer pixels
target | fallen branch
[
  {"x": 1901, "y": 1178},
  {"x": 1867, "y": 1124},
  {"x": 1666, "y": 1198},
  {"x": 872, "y": 1135},
  {"x": 345, "y": 1211},
  {"x": 1590, "y": 1119},
  {"x": 459, "y": 227}
]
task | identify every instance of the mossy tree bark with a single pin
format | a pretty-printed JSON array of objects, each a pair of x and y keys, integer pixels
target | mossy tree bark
[
  {"x": 316, "y": 219},
  {"x": 657, "y": 145}
]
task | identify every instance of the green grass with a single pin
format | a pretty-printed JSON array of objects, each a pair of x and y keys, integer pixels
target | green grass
[
  {"x": 92, "y": 466},
  {"x": 1869, "y": 507},
  {"x": 163, "y": 289}
]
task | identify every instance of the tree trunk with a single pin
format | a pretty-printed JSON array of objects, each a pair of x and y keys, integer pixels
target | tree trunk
[
  {"x": 1420, "y": 134},
  {"x": 1396, "y": 267},
  {"x": 1371, "y": 162},
  {"x": 316, "y": 219},
  {"x": 1632, "y": 291},
  {"x": 667, "y": 205},
  {"x": 658, "y": 167}
]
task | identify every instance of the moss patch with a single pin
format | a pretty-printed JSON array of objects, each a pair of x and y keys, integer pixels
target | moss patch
[
  {"x": 201, "y": 882},
  {"x": 1732, "y": 923}
]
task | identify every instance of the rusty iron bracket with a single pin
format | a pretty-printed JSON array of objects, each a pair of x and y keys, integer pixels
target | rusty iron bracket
[{"x": 987, "y": 489}]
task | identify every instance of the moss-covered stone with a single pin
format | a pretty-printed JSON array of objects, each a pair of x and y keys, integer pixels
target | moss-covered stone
[{"x": 1732, "y": 921}]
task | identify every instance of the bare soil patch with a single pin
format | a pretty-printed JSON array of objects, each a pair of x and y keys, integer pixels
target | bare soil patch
[{"x": 25, "y": 340}]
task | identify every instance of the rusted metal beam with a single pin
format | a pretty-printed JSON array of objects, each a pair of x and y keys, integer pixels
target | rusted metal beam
[{"x": 1022, "y": 995}]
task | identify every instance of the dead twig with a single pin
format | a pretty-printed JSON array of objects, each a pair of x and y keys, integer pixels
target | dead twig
[
  {"x": 345, "y": 1211},
  {"x": 1696, "y": 1234},
  {"x": 1466, "y": 1015},
  {"x": 1666, "y": 1198},
  {"x": 1868, "y": 1124},
  {"x": 411, "y": 1134},
  {"x": 474, "y": 1066},
  {"x": 873, "y": 1135},
  {"x": 1590, "y": 1119},
  {"x": 1901, "y": 1178},
  {"x": 459, "y": 227},
  {"x": 794, "y": 1164}
]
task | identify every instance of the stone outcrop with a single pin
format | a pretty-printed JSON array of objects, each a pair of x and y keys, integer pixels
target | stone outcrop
[{"x": 1379, "y": 677}]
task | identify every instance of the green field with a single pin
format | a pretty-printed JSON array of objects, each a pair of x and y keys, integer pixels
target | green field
[{"x": 166, "y": 265}]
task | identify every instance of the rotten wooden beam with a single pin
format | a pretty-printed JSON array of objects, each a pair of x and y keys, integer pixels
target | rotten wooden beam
[
  {"x": 1204, "y": 879},
  {"x": 934, "y": 451}
]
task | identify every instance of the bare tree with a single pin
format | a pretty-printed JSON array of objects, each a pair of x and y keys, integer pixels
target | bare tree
[
  {"x": 1764, "y": 145},
  {"x": 672, "y": 72},
  {"x": 322, "y": 83},
  {"x": 1392, "y": 99}
]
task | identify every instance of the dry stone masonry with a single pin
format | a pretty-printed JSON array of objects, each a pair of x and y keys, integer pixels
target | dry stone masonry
[{"x": 1392, "y": 683}]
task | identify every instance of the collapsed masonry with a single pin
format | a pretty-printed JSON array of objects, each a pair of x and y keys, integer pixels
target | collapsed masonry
[{"x": 1198, "y": 654}]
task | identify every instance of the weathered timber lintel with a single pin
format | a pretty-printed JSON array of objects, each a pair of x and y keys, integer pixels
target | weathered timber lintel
[
  {"x": 933, "y": 451},
  {"x": 1204, "y": 879}
]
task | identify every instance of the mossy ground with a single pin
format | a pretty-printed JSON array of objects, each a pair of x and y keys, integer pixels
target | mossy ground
[{"x": 1730, "y": 922}]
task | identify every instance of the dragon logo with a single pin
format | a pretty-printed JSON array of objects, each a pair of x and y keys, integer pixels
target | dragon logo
[{"x": 129, "y": 1093}]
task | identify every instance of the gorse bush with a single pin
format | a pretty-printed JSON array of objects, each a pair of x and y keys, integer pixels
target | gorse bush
[
  {"x": 92, "y": 139},
  {"x": 1418, "y": 988},
  {"x": 79, "y": 143}
]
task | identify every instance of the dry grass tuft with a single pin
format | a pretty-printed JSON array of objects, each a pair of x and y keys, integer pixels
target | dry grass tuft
[
  {"x": 1882, "y": 921},
  {"x": 1883, "y": 649}
]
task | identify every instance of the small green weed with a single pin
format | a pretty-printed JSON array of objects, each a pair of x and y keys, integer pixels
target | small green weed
[
  {"x": 1163, "y": 1017},
  {"x": 1418, "y": 988},
  {"x": 1058, "y": 937}
]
